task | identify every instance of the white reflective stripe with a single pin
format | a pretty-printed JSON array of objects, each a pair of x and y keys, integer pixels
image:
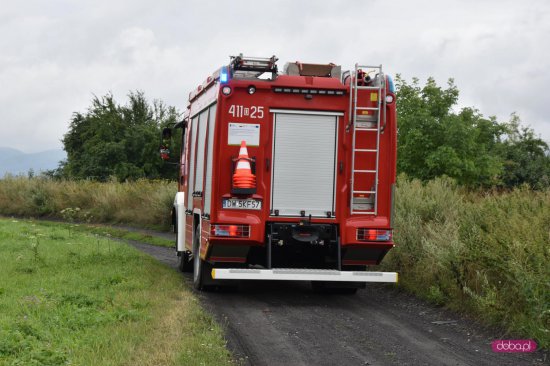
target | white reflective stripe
[
  {"x": 243, "y": 151},
  {"x": 299, "y": 274},
  {"x": 243, "y": 164}
]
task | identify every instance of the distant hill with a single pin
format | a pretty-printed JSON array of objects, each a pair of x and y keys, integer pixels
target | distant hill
[{"x": 15, "y": 162}]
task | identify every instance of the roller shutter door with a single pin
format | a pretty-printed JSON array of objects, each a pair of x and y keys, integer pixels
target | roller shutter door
[{"x": 304, "y": 164}]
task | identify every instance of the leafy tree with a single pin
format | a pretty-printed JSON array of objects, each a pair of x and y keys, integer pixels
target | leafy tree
[
  {"x": 111, "y": 140},
  {"x": 436, "y": 141},
  {"x": 527, "y": 157}
]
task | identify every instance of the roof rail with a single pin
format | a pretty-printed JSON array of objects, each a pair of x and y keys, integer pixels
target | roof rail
[{"x": 252, "y": 66}]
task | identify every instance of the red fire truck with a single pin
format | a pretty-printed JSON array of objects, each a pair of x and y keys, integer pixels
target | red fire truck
[{"x": 287, "y": 175}]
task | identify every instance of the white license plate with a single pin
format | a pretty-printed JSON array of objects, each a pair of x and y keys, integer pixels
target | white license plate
[{"x": 241, "y": 204}]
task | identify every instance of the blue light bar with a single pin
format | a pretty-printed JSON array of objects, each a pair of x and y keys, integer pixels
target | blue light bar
[
  {"x": 392, "y": 87},
  {"x": 224, "y": 76}
]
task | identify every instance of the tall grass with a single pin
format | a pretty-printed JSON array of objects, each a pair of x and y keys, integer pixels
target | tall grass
[
  {"x": 143, "y": 202},
  {"x": 485, "y": 254}
]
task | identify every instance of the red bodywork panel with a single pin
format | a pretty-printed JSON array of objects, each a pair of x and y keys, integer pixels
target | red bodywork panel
[{"x": 266, "y": 99}]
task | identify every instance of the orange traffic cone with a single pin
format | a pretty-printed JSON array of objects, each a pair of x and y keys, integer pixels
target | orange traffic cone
[{"x": 243, "y": 177}]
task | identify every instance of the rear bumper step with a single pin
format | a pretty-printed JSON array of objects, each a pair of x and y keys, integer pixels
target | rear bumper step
[{"x": 298, "y": 274}]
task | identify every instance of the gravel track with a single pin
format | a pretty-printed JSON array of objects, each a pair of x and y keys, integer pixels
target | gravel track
[{"x": 285, "y": 323}]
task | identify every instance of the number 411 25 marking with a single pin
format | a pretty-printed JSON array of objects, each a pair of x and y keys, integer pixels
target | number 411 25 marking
[{"x": 236, "y": 110}]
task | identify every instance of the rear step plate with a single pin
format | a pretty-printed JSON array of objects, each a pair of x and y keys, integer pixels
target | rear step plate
[{"x": 299, "y": 274}]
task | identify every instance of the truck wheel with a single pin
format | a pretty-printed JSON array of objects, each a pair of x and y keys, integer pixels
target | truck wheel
[{"x": 201, "y": 269}]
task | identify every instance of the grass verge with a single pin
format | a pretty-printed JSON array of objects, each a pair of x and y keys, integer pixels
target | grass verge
[
  {"x": 107, "y": 231},
  {"x": 121, "y": 233},
  {"x": 71, "y": 297},
  {"x": 129, "y": 235}
]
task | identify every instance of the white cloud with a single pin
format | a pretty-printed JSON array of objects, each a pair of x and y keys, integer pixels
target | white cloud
[{"x": 54, "y": 56}]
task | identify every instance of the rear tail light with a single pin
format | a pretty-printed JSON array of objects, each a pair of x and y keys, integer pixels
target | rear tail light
[
  {"x": 232, "y": 231},
  {"x": 364, "y": 234}
]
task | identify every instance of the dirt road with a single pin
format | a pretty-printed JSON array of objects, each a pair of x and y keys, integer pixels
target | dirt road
[{"x": 285, "y": 323}]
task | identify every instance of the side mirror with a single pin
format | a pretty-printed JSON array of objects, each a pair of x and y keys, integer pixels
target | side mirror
[{"x": 165, "y": 144}]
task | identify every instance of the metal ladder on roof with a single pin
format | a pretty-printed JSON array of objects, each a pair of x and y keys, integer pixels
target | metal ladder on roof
[{"x": 378, "y": 86}]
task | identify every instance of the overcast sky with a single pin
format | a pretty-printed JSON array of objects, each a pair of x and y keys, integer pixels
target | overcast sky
[{"x": 55, "y": 55}]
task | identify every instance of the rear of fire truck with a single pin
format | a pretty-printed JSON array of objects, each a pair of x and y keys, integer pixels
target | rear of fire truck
[{"x": 287, "y": 175}]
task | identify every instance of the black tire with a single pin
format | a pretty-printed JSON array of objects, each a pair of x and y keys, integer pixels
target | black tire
[{"x": 201, "y": 269}]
